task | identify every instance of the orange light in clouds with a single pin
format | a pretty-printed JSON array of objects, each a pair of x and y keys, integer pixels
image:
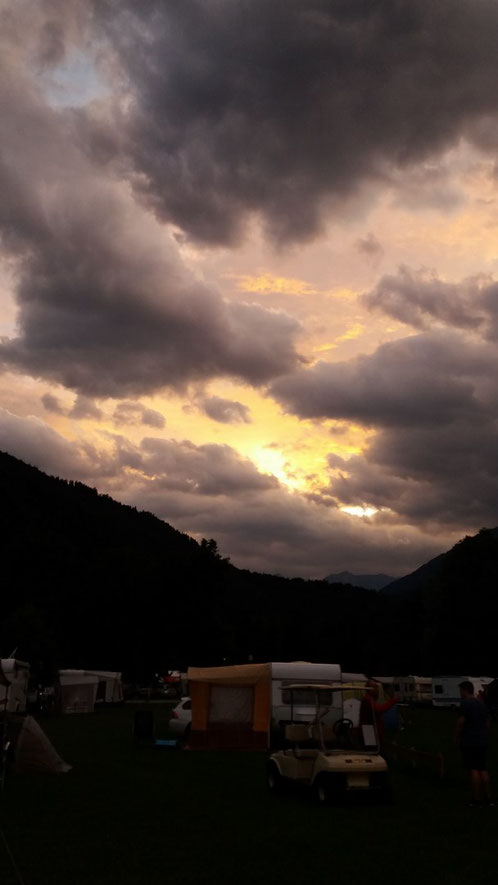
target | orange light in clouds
[
  {"x": 359, "y": 511},
  {"x": 268, "y": 283}
]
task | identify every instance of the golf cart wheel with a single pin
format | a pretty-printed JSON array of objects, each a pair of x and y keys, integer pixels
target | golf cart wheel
[
  {"x": 322, "y": 790},
  {"x": 273, "y": 778}
]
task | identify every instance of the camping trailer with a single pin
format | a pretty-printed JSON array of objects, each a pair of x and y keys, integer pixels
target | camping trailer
[
  {"x": 110, "y": 686},
  {"x": 249, "y": 705},
  {"x": 413, "y": 689},
  {"x": 77, "y": 691},
  {"x": 288, "y": 673},
  {"x": 446, "y": 693},
  {"x": 13, "y": 698}
]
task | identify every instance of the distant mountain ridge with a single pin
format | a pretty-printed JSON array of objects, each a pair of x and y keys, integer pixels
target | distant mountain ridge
[
  {"x": 367, "y": 582},
  {"x": 417, "y": 579},
  {"x": 429, "y": 571}
]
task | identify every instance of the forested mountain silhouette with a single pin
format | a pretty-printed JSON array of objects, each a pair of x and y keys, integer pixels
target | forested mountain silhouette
[{"x": 89, "y": 582}]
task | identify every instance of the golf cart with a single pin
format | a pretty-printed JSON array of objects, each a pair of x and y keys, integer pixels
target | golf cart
[{"x": 333, "y": 760}]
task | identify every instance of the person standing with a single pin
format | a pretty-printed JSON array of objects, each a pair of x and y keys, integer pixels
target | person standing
[
  {"x": 371, "y": 711},
  {"x": 472, "y": 735}
]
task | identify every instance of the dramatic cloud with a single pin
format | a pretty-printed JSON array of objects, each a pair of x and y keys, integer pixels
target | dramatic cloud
[
  {"x": 417, "y": 297},
  {"x": 210, "y": 490},
  {"x": 52, "y": 404},
  {"x": 135, "y": 413},
  {"x": 36, "y": 443},
  {"x": 430, "y": 379},
  {"x": 432, "y": 399},
  {"x": 106, "y": 306},
  {"x": 136, "y": 136},
  {"x": 284, "y": 108},
  {"x": 225, "y": 411},
  {"x": 85, "y": 408},
  {"x": 426, "y": 478}
]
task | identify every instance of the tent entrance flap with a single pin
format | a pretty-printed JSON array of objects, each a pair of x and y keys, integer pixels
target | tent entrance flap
[
  {"x": 231, "y": 706},
  {"x": 231, "y": 703}
]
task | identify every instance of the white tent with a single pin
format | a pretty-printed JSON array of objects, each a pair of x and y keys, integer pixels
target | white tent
[
  {"x": 32, "y": 752},
  {"x": 78, "y": 691},
  {"x": 14, "y": 695}
]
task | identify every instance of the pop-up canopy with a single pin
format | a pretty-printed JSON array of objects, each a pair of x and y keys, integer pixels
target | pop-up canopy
[{"x": 231, "y": 706}]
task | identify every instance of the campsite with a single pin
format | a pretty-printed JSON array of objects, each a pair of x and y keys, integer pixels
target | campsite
[
  {"x": 130, "y": 814},
  {"x": 130, "y": 804}
]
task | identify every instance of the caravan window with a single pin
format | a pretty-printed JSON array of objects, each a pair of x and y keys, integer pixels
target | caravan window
[
  {"x": 438, "y": 689},
  {"x": 306, "y": 697}
]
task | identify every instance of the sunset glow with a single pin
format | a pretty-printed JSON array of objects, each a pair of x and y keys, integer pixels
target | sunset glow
[{"x": 229, "y": 297}]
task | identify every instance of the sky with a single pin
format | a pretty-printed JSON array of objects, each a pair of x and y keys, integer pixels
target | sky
[{"x": 248, "y": 264}]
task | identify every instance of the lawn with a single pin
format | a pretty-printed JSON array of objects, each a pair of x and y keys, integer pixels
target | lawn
[{"x": 129, "y": 815}]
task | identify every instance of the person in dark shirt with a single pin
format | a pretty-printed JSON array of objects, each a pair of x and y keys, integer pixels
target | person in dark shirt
[{"x": 472, "y": 734}]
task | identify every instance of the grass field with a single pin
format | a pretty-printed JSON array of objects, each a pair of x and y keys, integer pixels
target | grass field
[{"x": 127, "y": 815}]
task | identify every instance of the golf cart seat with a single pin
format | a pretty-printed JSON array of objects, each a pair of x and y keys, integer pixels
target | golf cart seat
[{"x": 298, "y": 734}]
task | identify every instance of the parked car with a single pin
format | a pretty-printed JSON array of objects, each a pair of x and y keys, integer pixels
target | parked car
[{"x": 181, "y": 718}]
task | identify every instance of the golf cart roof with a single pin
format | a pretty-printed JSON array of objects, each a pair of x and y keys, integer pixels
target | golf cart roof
[{"x": 320, "y": 686}]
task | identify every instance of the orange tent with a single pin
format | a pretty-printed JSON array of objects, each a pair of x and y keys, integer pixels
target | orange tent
[{"x": 231, "y": 706}]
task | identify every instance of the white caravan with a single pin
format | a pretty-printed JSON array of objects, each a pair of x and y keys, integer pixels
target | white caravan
[
  {"x": 299, "y": 705},
  {"x": 110, "y": 686},
  {"x": 14, "y": 696},
  {"x": 446, "y": 693},
  {"x": 413, "y": 689},
  {"x": 78, "y": 691}
]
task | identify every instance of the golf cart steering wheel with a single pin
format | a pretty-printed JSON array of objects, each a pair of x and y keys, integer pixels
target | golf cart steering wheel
[{"x": 342, "y": 726}]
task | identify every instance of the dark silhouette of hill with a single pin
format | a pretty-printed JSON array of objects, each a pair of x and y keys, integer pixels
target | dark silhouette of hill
[
  {"x": 417, "y": 579},
  {"x": 88, "y": 582},
  {"x": 368, "y": 582},
  {"x": 425, "y": 574}
]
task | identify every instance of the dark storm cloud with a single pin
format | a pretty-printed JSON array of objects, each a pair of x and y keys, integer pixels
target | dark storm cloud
[
  {"x": 285, "y": 107},
  {"x": 135, "y": 413},
  {"x": 444, "y": 478},
  {"x": 430, "y": 379},
  {"x": 209, "y": 469},
  {"x": 225, "y": 411},
  {"x": 211, "y": 490},
  {"x": 419, "y": 297},
  {"x": 105, "y": 305},
  {"x": 52, "y": 404},
  {"x": 84, "y": 407}
]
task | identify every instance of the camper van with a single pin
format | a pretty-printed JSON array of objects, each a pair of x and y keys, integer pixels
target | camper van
[
  {"x": 413, "y": 689},
  {"x": 298, "y": 705},
  {"x": 13, "y": 697},
  {"x": 446, "y": 693}
]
